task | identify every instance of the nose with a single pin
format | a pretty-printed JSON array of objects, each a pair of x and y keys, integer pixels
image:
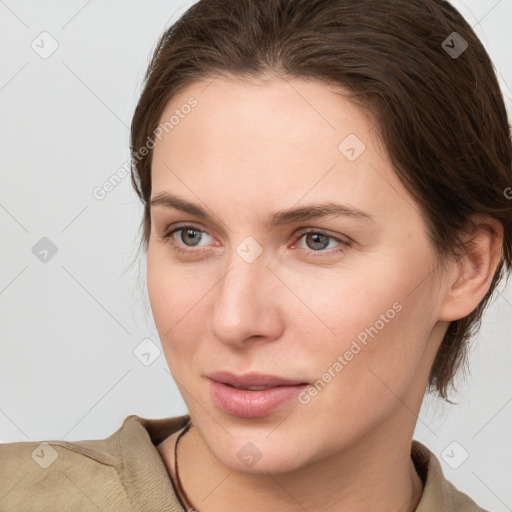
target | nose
[{"x": 246, "y": 304}]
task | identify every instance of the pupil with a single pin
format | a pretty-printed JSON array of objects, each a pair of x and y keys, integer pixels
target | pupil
[
  {"x": 317, "y": 236},
  {"x": 197, "y": 236}
]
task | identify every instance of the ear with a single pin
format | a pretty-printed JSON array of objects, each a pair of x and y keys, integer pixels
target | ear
[{"x": 470, "y": 275}]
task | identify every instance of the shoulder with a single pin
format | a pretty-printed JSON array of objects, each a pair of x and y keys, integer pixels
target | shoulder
[
  {"x": 57, "y": 473},
  {"x": 97, "y": 474},
  {"x": 438, "y": 492}
]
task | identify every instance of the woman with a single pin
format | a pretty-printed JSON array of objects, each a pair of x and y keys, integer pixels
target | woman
[{"x": 325, "y": 221}]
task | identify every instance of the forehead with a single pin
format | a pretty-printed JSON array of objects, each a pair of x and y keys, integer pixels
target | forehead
[
  {"x": 273, "y": 144},
  {"x": 283, "y": 123},
  {"x": 307, "y": 107}
]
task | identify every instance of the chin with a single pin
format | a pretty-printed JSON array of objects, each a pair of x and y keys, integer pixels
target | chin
[
  {"x": 259, "y": 457},
  {"x": 272, "y": 465}
]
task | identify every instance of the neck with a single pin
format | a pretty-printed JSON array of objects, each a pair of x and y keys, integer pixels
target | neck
[{"x": 342, "y": 481}]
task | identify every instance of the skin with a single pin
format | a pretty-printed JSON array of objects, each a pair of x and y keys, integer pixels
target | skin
[{"x": 245, "y": 152}]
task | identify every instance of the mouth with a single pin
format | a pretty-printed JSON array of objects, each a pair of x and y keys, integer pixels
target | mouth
[
  {"x": 252, "y": 395},
  {"x": 253, "y": 381},
  {"x": 249, "y": 388}
]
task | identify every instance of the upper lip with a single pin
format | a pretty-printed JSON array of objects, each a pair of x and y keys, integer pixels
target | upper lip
[{"x": 252, "y": 379}]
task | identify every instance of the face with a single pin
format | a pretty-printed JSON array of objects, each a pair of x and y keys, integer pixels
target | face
[{"x": 336, "y": 312}]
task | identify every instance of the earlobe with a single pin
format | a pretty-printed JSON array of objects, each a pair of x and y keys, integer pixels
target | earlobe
[{"x": 473, "y": 271}]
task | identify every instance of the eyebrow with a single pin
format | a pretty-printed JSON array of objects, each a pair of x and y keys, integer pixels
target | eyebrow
[{"x": 311, "y": 211}]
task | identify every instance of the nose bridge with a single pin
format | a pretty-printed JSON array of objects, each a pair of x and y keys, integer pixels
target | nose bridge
[
  {"x": 243, "y": 305},
  {"x": 246, "y": 269}
]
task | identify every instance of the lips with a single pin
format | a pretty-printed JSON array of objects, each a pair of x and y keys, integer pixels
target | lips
[
  {"x": 252, "y": 380},
  {"x": 252, "y": 395}
]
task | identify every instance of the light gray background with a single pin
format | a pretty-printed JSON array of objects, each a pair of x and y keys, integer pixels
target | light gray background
[{"x": 68, "y": 327}]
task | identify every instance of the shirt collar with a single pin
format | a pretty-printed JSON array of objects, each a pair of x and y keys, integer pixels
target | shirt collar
[{"x": 148, "y": 484}]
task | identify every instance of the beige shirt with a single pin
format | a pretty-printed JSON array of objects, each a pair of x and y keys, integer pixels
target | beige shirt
[{"x": 125, "y": 472}]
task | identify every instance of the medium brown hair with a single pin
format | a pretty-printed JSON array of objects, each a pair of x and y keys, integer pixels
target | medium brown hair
[{"x": 441, "y": 117}]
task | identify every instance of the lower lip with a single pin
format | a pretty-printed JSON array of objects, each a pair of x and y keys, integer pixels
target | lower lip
[{"x": 252, "y": 404}]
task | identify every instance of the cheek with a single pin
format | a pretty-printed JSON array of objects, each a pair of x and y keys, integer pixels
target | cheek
[
  {"x": 172, "y": 297},
  {"x": 172, "y": 291},
  {"x": 390, "y": 367},
  {"x": 378, "y": 329},
  {"x": 344, "y": 307}
]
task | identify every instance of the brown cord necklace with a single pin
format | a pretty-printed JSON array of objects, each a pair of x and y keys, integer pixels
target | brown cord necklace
[{"x": 182, "y": 496}]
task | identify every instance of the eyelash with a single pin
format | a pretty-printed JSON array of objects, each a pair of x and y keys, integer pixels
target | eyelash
[{"x": 168, "y": 238}]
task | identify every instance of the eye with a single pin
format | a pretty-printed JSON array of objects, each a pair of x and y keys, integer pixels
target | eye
[
  {"x": 185, "y": 237},
  {"x": 318, "y": 241},
  {"x": 188, "y": 236}
]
